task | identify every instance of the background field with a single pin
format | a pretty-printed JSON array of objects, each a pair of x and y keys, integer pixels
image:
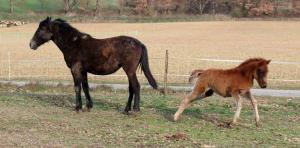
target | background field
[{"x": 191, "y": 45}]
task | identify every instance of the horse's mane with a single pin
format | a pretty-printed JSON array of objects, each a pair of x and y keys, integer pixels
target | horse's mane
[
  {"x": 68, "y": 28},
  {"x": 251, "y": 60}
]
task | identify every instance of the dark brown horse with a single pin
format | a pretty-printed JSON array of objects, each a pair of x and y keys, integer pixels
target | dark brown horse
[
  {"x": 235, "y": 82},
  {"x": 84, "y": 54}
]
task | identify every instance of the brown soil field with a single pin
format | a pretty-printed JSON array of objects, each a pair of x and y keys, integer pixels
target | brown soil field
[{"x": 189, "y": 44}]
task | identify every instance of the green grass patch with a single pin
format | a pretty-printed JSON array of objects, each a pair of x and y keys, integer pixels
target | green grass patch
[{"x": 45, "y": 116}]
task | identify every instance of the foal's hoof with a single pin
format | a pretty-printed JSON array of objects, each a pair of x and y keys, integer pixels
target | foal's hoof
[
  {"x": 176, "y": 117},
  {"x": 258, "y": 124},
  {"x": 232, "y": 124}
]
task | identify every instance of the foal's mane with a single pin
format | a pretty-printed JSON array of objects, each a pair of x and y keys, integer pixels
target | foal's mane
[
  {"x": 250, "y": 61},
  {"x": 66, "y": 27}
]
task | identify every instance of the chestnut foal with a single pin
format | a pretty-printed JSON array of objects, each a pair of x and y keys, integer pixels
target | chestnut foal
[{"x": 235, "y": 82}]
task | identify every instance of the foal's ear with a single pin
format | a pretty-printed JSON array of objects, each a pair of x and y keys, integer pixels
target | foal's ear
[{"x": 268, "y": 61}]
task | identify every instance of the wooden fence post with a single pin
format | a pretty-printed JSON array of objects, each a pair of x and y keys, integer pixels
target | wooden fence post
[
  {"x": 166, "y": 72},
  {"x": 9, "y": 65}
]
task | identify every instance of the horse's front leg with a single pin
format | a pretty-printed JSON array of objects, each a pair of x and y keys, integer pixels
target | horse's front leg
[
  {"x": 77, "y": 77},
  {"x": 85, "y": 87}
]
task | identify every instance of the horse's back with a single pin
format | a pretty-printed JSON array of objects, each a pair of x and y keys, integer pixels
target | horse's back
[{"x": 105, "y": 56}]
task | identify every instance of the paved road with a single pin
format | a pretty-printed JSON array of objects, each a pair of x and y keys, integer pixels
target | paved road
[{"x": 257, "y": 92}]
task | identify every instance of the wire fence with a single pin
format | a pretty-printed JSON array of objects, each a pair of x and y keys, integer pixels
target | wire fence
[{"x": 177, "y": 72}]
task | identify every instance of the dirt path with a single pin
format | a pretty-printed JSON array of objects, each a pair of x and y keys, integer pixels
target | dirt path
[{"x": 256, "y": 92}]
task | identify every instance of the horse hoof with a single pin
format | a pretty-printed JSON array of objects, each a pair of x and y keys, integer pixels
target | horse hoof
[
  {"x": 88, "y": 108},
  {"x": 136, "y": 110},
  {"x": 78, "y": 109},
  {"x": 126, "y": 112}
]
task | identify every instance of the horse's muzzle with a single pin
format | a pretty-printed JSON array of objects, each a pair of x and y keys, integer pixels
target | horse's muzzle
[{"x": 33, "y": 45}]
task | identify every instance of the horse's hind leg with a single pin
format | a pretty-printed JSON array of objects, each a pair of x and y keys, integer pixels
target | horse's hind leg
[
  {"x": 134, "y": 90},
  {"x": 85, "y": 87},
  {"x": 131, "y": 92},
  {"x": 249, "y": 96},
  {"x": 197, "y": 94}
]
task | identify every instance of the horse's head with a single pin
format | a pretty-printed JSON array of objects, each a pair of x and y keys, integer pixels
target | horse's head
[
  {"x": 261, "y": 72},
  {"x": 42, "y": 35}
]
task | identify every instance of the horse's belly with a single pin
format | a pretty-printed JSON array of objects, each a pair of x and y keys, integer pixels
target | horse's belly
[{"x": 104, "y": 69}]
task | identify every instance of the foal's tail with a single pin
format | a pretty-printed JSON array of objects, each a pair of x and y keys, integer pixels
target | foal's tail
[
  {"x": 145, "y": 67},
  {"x": 195, "y": 74}
]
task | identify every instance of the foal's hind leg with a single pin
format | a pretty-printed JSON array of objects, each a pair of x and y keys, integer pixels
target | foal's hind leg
[
  {"x": 238, "y": 100},
  {"x": 249, "y": 96},
  {"x": 196, "y": 94},
  {"x": 85, "y": 87}
]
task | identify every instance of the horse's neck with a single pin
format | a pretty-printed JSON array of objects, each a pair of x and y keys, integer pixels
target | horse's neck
[{"x": 63, "y": 42}]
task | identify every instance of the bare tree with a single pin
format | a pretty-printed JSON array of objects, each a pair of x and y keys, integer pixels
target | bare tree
[
  {"x": 66, "y": 6},
  {"x": 11, "y": 5},
  {"x": 69, "y": 5},
  {"x": 97, "y": 11},
  {"x": 202, "y": 5}
]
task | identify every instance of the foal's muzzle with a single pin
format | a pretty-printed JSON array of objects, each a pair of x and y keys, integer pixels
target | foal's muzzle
[{"x": 263, "y": 85}]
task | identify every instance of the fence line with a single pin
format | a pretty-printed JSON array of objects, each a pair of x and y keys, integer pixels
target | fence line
[{"x": 162, "y": 73}]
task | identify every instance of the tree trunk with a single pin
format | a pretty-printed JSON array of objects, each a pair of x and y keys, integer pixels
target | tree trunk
[
  {"x": 202, "y": 5},
  {"x": 11, "y": 5},
  {"x": 97, "y": 11},
  {"x": 66, "y": 6}
]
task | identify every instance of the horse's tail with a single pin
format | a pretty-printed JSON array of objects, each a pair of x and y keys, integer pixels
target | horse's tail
[
  {"x": 145, "y": 67},
  {"x": 195, "y": 74}
]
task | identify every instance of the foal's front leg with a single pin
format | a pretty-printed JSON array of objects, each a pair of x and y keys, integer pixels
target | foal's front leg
[
  {"x": 77, "y": 77},
  {"x": 249, "y": 96}
]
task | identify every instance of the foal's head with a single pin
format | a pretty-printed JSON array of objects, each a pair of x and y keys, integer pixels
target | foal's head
[
  {"x": 256, "y": 68},
  {"x": 260, "y": 74},
  {"x": 42, "y": 35}
]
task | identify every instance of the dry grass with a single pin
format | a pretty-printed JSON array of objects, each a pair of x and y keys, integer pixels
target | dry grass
[{"x": 185, "y": 41}]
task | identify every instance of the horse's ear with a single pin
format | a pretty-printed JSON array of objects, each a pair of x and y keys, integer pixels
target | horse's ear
[
  {"x": 268, "y": 61},
  {"x": 48, "y": 18}
]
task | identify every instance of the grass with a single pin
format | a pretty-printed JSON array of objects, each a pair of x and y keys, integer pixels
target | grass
[{"x": 43, "y": 116}]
